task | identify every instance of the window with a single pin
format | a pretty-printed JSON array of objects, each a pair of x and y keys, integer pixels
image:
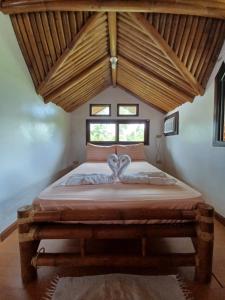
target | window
[
  {"x": 127, "y": 110},
  {"x": 219, "y": 108},
  {"x": 108, "y": 132},
  {"x": 171, "y": 124},
  {"x": 99, "y": 110}
]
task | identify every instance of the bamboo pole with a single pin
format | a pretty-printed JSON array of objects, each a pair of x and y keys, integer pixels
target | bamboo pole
[
  {"x": 204, "y": 246},
  {"x": 73, "y": 260},
  {"x": 27, "y": 248}
]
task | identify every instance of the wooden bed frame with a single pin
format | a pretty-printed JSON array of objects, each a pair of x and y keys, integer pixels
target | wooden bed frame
[{"x": 35, "y": 226}]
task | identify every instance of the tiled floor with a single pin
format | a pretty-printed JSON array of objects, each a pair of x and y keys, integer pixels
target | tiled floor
[{"x": 11, "y": 287}]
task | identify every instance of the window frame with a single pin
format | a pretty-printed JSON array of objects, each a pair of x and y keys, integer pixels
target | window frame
[
  {"x": 130, "y": 104},
  {"x": 99, "y": 116},
  {"x": 175, "y": 130},
  {"x": 219, "y": 108},
  {"x": 117, "y": 122}
]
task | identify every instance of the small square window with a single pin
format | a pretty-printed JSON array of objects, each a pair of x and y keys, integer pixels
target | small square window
[
  {"x": 126, "y": 110},
  {"x": 99, "y": 110}
]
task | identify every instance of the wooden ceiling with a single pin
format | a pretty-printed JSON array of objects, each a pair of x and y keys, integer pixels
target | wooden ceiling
[{"x": 164, "y": 58}]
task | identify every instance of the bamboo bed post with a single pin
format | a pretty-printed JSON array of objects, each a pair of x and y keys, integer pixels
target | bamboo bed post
[
  {"x": 204, "y": 245},
  {"x": 27, "y": 248}
]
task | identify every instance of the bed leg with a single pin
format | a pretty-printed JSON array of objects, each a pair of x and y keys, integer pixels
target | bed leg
[
  {"x": 27, "y": 248},
  {"x": 204, "y": 245}
]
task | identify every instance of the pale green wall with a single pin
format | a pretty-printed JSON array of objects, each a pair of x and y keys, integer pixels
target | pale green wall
[
  {"x": 34, "y": 137},
  {"x": 191, "y": 155}
]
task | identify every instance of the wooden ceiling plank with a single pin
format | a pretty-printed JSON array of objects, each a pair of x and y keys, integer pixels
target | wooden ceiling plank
[
  {"x": 179, "y": 34},
  {"x": 70, "y": 99},
  {"x": 23, "y": 49},
  {"x": 80, "y": 21},
  {"x": 72, "y": 108},
  {"x": 196, "y": 43},
  {"x": 207, "y": 48},
  {"x": 43, "y": 40},
  {"x": 141, "y": 99},
  {"x": 39, "y": 43},
  {"x": 71, "y": 74},
  {"x": 151, "y": 62},
  {"x": 80, "y": 57},
  {"x": 190, "y": 41},
  {"x": 145, "y": 87},
  {"x": 185, "y": 37},
  {"x": 77, "y": 40},
  {"x": 148, "y": 96},
  {"x": 216, "y": 36},
  {"x": 145, "y": 51},
  {"x": 168, "y": 28},
  {"x": 28, "y": 46},
  {"x": 73, "y": 23},
  {"x": 158, "y": 71},
  {"x": 84, "y": 64},
  {"x": 140, "y": 36},
  {"x": 150, "y": 83},
  {"x": 214, "y": 54},
  {"x": 203, "y": 44},
  {"x": 59, "y": 26},
  {"x": 173, "y": 33},
  {"x": 211, "y": 8},
  {"x": 163, "y": 24},
  {"x": 74, "y": 64},
  {"x": 80, "y": 77},
  {"x": 48, "y": 36},
  {"x": 89, "y": 86},
  {"x": 66, "y": 27},
  {"x": 80, "y": 88},
  {"x": 150, "y": 80},
  {"x": 33, "y": 44},
  {"x": 112, "y": 25},
  {"x": 90, "y": 90},
  {"x": 150, "y": 30},
  {"x": 54, "y": 34}
]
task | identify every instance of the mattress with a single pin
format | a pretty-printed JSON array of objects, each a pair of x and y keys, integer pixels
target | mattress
[{"x": 117, "y": 196}]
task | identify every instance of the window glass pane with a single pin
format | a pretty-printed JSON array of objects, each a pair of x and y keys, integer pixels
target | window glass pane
[
  {"x": 100, "y": 110},
  {"x": 128, "y": 110},
  {"x": 100, "y": 132},
  {"x": 131, "y": 132}
]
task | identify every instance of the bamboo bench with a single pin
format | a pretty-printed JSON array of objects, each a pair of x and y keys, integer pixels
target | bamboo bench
[{"x": 35, "y": 226}]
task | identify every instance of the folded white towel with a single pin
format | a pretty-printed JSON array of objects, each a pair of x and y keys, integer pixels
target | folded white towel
[
  {"x": 94, "y": 178},
  {"x": 135, "y": 179}
]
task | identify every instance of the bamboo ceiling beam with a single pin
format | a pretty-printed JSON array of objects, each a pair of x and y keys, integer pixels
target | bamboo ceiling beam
[
  {"x": 112, "y": 24},
  {"x": 213, "y": 8},
  {"x": 71, "y": 47},
  {"x": 149, "y": 30},
  {"x": 77, "y": 79}
]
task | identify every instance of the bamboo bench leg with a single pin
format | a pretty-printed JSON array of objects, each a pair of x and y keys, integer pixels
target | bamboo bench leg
[
  {"x": 28, "y": 249},
  {"x": 204, "y": 246}
]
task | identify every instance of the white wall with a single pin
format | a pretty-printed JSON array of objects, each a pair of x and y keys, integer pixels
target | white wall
[
  {"x": 34, "y": 137},
  {"x": 113, "y": 96},
  {"x": 191, "y": 156}
]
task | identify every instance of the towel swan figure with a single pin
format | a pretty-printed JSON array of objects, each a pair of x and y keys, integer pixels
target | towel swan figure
[
  {"x": 96, "y": 178},
  {"x": 157, "y": 178}
]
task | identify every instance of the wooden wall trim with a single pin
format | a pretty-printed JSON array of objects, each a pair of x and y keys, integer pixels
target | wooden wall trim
[
  {"x": 6, "y": 232},
  {"x": 213, "y": 8},
  {"x": 220, "y": 218}
]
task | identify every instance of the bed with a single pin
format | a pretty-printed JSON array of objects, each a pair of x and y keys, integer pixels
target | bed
[{"x": 116, "y": 211}]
